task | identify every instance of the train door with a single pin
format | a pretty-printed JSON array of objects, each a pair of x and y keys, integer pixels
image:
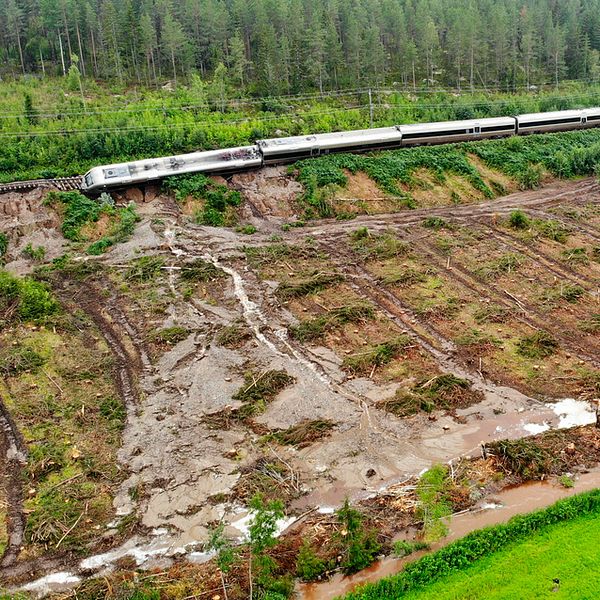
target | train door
[
  {"x": 584, "y": 119},
  {"x": 477, "y": 129}
]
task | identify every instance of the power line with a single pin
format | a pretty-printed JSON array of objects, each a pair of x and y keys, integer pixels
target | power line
[{"x": 255, "y": 101}]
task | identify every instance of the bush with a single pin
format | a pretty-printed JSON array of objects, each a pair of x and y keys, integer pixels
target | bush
[
  {"x": 3, "y": 244},
  {"x": 309, "y": 567},
  {"x": 26, "y": 298},
  {"x": 404, "y": 548},
  {"x": 519, "y": 220}
]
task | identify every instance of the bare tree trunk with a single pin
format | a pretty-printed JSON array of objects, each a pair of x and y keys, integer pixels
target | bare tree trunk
[
  {"x": 20, "y": 51},
  {"x": 80, "y": 51},
  {"x": 62, "y": 55},
  {"x": 173, "y": 63},
  {"x": 94, "y": 57},
  {"x": 42, "y": 63}
]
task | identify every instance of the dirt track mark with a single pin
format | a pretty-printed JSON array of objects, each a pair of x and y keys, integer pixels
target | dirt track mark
[
  {"x": 13, "y": 457},
  {"x": 549, "y": 263},
  {"x": 529, "y": 315}
]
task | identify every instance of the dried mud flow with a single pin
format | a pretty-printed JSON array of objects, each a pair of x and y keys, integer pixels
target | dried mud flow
[{"x": 183, "y": 473}]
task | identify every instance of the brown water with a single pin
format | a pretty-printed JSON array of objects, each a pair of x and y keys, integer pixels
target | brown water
[{"x": 516, "y": 500}]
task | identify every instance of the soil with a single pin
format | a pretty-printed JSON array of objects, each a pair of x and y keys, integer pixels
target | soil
[{"x": 182, "y": 474}]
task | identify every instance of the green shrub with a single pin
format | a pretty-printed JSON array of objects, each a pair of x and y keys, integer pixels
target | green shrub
[
  {"x": 316, "y": 328},
  {"x": 309, "y": 567},
  {"x": 3, "y": 244},
  {"x": 436, "y": 223},
  {"x": 311, "y": 285},
  {"x": 434, "y": 506},
  {"x": 145, "y": 269},
  {"x": 404, "y": 548},
  {"x": 551, "y": 229},
  {"x": 260, "y": 389},
  {"x": 200, "y": 270},
  {"x": 26, "y": 298},
  {"x": 530, "y": 177},
  {"x": 362, "y": 363},
  {"x": 360, "y": 545},
  {"x": 519, "y": 220}
]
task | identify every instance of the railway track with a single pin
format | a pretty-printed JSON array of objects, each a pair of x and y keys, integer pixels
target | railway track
[{"x": 64, "y": 184}]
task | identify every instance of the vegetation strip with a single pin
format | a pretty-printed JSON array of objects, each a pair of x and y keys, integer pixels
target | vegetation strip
[{"x": 476, "y": 545}]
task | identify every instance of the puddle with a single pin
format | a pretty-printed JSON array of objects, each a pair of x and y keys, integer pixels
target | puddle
[{"x": 504, "y": 505}]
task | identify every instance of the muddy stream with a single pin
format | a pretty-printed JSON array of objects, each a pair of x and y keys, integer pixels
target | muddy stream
[{"x": 499, "y": 509}]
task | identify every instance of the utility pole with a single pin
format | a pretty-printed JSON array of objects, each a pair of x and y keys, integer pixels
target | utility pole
[{"x": 62, "y": 55}]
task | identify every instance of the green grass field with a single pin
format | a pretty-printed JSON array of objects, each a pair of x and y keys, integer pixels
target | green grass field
[{"x": 567, "y": 551}]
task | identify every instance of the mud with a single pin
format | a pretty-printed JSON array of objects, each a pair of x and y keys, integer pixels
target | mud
[
  {"x": 181, "y": 473},
  {"x": 499, "y": 509}
]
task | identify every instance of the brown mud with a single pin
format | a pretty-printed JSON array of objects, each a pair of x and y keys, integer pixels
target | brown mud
[
  {"x": 499, "y": 508},
  {"x": 181, "y": 473}
]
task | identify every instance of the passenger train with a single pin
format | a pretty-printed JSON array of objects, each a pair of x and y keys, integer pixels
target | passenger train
[{"x": 289, "y": 149}]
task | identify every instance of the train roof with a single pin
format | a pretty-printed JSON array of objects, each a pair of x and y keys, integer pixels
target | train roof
[
  {"x": 452, "y": 125},
  {"x": 552, "y": 115}
]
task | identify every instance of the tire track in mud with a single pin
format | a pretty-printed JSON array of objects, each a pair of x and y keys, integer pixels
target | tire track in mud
[
  {"x": 549, "y": 263},
  {"x": 528, "y": 315},
  {"x": 13, "y": 458},
  {"x": 532, "y": 200}
]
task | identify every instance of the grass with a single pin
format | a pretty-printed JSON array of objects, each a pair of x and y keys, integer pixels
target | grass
[
  {"x": 258, "y": 390},
  {"x": 232, "y": 336},
  {"x": 82, "y": 218},
  {"x": 314, "y": 329},
  {"x": 506, "y": 264},
  {"x": 365, "y": 362},
  {"x": 58, "y": 387},
  {"x": 170, "y": 335},
  {"x": 537, "y": 345},
  {"x": 199, "y": 270},
  {"x": 310, "y": 285},
  {"x": 301, "y": 435},
  {"x": 383, "y": 246},
  {"x": 566, "y": 551},
  {"x": 441, "y": 392}
]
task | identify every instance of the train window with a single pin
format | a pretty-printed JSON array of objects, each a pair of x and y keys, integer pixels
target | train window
[
  {"x": 584, "y": 119},
  {"x": 89, "y": 181},
  {"x": 477, "y": 128}
]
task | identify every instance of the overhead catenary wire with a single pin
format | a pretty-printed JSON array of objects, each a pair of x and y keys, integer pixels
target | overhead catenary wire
[
  {"x": 412, "y": 107},
  {"x": 59, "y": 113}
]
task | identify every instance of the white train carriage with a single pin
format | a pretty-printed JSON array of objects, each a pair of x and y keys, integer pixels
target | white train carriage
[
  {"x": 140, "y": 171},
  {"x": 279, "y": 150},
  {"x": 456, "y": 131},
  {"x": 563, "y": 120}
]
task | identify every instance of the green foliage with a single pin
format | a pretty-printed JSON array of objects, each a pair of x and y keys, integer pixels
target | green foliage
[
  {"x": 145, "y": 269},
  {"x": 566, "y": 481},
  {"x": 491, "y": 313},
  {"x": 246, "y": 229},
  {"x": 232, "y": 336},
  {"x": 481, "y": 545},
  {"x": 362, "y": 363},
  {"x": 227, "y": 554},
  {"x": 260, "y": 389},
  {"x": 36, "y": 254},
  {"x": 434, "y": 506},
  {"x": 313, "y": 284},
  {"x": 506, "y": 264},
  {"x": 568, "y": 292},
  {"x": 436, "y": 223},
  {"x": 3, "y": 244},
  {"x": 551, "y": 229},
  {"x": 303, "y": 434},
  {"x": 200, "y": 270},
  {"x": 170, "y": 335},
  {"x": 530, "y": 177},
  {"x": 25, "y": 298},
  {"x": 360, "y": 545},
  {"x": 261, "y": 538},
  {"x": 591, "y": 325},
  {"x": 404, "y": 548},
  {"x": 19, "y": 359},
  {"x": 216, "y": 197},
  {"x": 519, "y": 220},
  {"x": 78, "y": 211},
  {"x": 576, "y": 256},
  {"x": 113, "y": 410},
  {"x": 309, "y": 566},
  {"x": 314, "y": 329},
  {"x": 523, "y": 457},
  {"x": 28, "y": 110},
  {"x": 537, "y": 345},
  {"x": 377, "y": 247}
]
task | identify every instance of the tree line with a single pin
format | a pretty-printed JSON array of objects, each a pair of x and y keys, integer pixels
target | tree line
[{"x": 290, "y": 46}]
